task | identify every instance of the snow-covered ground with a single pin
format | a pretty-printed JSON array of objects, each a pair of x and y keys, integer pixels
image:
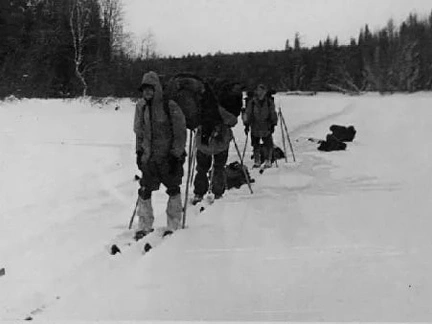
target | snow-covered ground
[{"x": 340, "y": 236}]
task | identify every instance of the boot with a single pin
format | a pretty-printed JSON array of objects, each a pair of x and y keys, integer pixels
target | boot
[
  {"x": 196, "y": 199},
  {"x": 145, "y": 218},
  {"x": 174, "y": 213},
  {"x": 257, "y": 158},
  {"x": 270, "y": 155}
]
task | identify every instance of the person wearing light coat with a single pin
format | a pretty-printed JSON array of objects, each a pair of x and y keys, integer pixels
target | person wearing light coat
[
  {"x": 160, "y": 149},
  {"x": 261, "y": 118}
]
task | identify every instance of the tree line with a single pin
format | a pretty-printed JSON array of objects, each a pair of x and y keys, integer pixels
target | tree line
[{"x": 68, "y": 48}]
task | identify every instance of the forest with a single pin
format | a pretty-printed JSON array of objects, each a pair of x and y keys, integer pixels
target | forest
[{"x": 69, "y": 48}]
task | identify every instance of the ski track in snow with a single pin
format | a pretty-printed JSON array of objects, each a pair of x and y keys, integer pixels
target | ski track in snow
[{"x": 325, "y": 238}]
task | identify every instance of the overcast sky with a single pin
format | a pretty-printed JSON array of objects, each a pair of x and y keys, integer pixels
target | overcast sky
[{"x": 207, "y": 26}]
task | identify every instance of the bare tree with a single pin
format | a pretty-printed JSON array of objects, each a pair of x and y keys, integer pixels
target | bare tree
[
  {"x": 148, "y": 46},
  {"x": 391, "y": 29},
  {"x": 112, "y": 14},
  {"x": 129, "y": 46},
  {"x": 345, "y": 82},
  {"x": 79, "y": 22}
]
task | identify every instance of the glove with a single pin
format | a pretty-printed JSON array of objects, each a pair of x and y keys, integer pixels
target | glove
[
  {"x": 139, "y": 155},
  {"x": 246, "y": 130}
]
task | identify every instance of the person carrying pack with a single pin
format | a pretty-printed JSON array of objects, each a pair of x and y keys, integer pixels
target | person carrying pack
[
  {"x": 214, "y": 137},
  {"x": 160, "y": 128},
  {"x": 260, "y": 118}
]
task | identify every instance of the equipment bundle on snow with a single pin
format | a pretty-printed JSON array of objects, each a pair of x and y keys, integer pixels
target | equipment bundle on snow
[
  {"x": 331, "y": 143},
  {"x": 235, "y": 177},
  {"x": 335, "y": 140},
  {"x": 344, "y": 134},
  {"x": 278, "y": 154}
]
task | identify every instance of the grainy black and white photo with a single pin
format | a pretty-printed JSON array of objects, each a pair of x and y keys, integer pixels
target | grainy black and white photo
[{"x": 215, "y": 160}]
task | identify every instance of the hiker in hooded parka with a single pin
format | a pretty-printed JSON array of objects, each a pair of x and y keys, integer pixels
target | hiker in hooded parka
[
  {"x": 261, "y": 118},
  {"x": 213, "y": 142},
  {"x": 160, "y": 129}
]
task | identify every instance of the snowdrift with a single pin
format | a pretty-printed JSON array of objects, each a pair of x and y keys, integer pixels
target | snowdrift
[{"x": 338, "y": 236}]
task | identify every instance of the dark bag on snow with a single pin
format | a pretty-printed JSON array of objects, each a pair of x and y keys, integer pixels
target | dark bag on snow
[
  {"x": 344, "y": 134},
  {"x": 235, "y": 177},
  {"x": 277, "y": 154},
  {"x": 332, "y": 143}
]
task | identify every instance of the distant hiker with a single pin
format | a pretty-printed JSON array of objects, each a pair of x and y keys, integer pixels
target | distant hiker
[
  {"x": 261, "y": 118},
  {"x": 213, "y": 140},
  {"x": 160, "y": 129}
]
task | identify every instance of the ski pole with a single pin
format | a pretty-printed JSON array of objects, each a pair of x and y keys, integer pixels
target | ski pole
[
  {"x": 288, "y": 137},
  {"x": 242, "y": 165},
  {"x": 133, "y": 214},
  {"x": 193, "y": 159},
  {"x": 210, "y": 188},
  {"x": 210, "y": 195},
  {"x": 282, "y": 132},
  {"x": 187, "y": 180},
  {"x": 244, "y": 149}
]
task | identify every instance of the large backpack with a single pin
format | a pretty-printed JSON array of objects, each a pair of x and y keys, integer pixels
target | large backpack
[
  {"x": 195, "y": 98},
  {"x": 344, "y": 134},
  {"x": 199, "y": 100},
  {"x": 332, "y": 143},
  {"x": 235, "y": 176},
  {"x": 231, "y": 101}
]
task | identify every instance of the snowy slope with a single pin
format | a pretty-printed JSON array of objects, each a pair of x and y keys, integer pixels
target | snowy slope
[{"x": 341, "y": 236}]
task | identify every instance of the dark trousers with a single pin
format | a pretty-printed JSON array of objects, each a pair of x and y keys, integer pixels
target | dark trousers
[
  {"x": 156, "y": 172},
  {"x": 201, "y": 182},
  {"x": 267, "y": 145}
]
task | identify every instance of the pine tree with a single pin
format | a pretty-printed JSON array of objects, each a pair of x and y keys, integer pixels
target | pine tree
[{"x": 297, "y": 45}]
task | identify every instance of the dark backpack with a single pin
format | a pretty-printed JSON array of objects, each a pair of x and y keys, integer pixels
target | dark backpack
[
  {"x": 187, "y": 91},
  {"x": 344, "y": 134},
  {"x": 210, "y": 116},
  {"x": 196, "y": 99},
  {"x": 332, "y": 143},
  {"x": 232, "y": 101},
  {"x": 235, "y": 176},
  {"x": 278, "y": 154}
]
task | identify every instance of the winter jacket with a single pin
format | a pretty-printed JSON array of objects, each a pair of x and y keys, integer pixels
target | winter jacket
[
  {"x": 157, "y": 134},
  {"x": 222, "y": 141},
  {"x": 260, "y": 116}
]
